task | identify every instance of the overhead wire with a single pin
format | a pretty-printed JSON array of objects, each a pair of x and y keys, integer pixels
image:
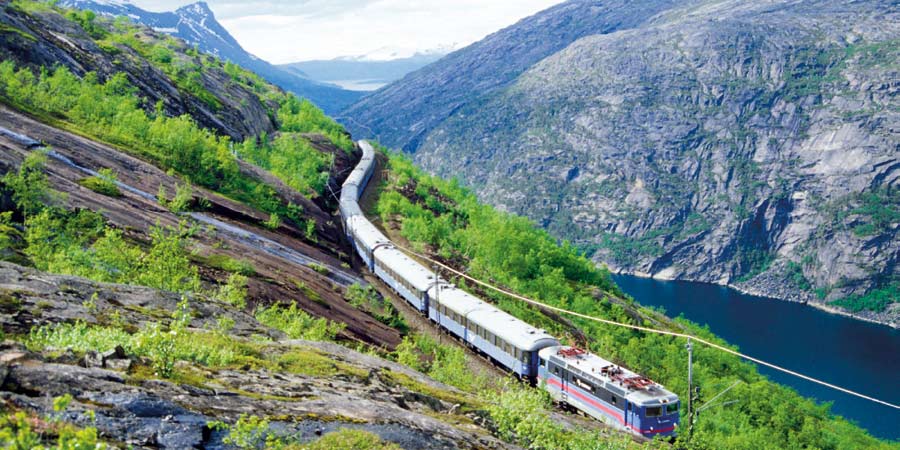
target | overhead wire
[{"x": 646, "y": 329}]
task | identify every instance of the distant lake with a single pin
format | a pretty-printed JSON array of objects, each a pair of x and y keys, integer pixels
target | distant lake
[
  {"x": 359, "y": 85},
  {"x": 857, "y": 355}
]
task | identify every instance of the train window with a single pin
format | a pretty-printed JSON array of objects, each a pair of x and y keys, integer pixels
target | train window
[
  {"x": 672, "y": 408},
  {"x": 556, "y": 370},
  {"x": 541, "y": 363},
  {"x": 613, "y": 399},
  {"x": 525, "y": 357},
  {"x": 654, "y": 411}
]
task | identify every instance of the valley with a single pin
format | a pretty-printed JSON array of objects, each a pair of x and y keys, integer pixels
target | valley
[
  {"x": 175, "y": 271},
  {"x": 713, "y": 141}
]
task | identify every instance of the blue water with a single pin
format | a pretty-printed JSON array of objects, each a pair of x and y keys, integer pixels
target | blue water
[{"x": 857, "y": 355}]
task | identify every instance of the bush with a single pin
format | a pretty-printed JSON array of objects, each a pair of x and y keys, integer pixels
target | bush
[
  {"x": 29, "y": 185},
  {"x": 876, "y": 300},
  {"x": 297, "y": 324}
]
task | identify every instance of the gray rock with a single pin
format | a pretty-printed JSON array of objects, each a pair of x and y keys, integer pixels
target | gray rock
[{"x": 93, "y": 359}]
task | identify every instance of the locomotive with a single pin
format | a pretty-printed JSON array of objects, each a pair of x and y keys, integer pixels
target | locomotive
[{"x": 572, "y": 376}]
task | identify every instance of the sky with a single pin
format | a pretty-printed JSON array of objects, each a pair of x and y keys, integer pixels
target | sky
[{"x": 284, "y": 31}]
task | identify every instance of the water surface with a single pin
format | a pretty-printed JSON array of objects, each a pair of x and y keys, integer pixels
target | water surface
[{"x": 860, "y": 356}]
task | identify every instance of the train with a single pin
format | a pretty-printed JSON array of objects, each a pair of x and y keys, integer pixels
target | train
[{"x": 572, "y": 376}]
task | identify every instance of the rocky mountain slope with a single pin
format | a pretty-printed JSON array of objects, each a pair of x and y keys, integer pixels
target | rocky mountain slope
[
  {"x": 735, "y": 142},
  {"x": 197, "y": 25}
]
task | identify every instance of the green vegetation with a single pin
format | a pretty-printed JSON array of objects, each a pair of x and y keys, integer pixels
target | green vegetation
[
  {"x": 8, "y": 29},
  {"x": 350, "y": 439},
  {"x": 253, "y": 432},
  {"x": 21, "y": 431},
  {"x": 443, "y": 219},
  {"x": 522, "y": 416},
  {"x": 794, "y": 272},
  {"x": 753, "y": 261},
  {"x": 876, "y": 300},
  {"x": 292, "y": 159},
  {"x": 29, "y": 186},
  {"x": 880, "y": 210},
  {"x": 227, "y": 263},
  {"x": 104, "y": 183},
  {"x": 444, "y": 363},
  {"x": 367, "y": 299},
  {"x": 301, "y": 116},
  {"x": 297, "y": 324},
  {"x": 181, "y": 202},
  {"x": 81, "y": 243}
]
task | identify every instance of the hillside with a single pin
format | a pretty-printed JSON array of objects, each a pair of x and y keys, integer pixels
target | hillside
[
  {"x": 165, "y": 286},
  {"x": 197, "y": 25},
  {"x": 733, "y": 142}
]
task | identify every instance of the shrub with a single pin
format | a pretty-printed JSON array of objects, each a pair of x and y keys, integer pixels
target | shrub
[
  {"x": 29, "y": 185},
  {"x": 297, "y": 324}
]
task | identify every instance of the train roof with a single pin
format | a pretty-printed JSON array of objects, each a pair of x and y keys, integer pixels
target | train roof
[
  {"x": 634, "y": 387},
  {"x": 368, "y": 150},
  {"x": 503, "y": 325},
  {"x": 412, "y": 271},
  {"x": 350, "y": 209},
  {"x": 460, "y": 301},
  {"x": 512, "y": 330},
  {"x": 363, "y": 230}
]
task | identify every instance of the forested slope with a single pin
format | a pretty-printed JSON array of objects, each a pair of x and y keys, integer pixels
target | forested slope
[{"x": 447, "y": 222}]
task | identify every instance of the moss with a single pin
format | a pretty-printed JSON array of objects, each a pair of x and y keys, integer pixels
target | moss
[
  {"x": 10, "y": 301},
  {"x": 14, "y": 30},
  {"x": 313, "y": 363},
  {"x": 227, "y": 263},
  {"x": 156, "y": 313},
  {"x": 101, "y": 186},
  {"x": 408, "y": 382}
]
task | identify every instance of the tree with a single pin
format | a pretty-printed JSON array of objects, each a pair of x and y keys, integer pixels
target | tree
[{"x": 30, "y": 188}]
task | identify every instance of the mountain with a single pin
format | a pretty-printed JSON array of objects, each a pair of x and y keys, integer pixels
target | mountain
[
  {"x": 197, "y": 25},
  {"x": 401, "y": 114},
  {"x": 361, "y": 73},
  {"x": 745, "y": 143}
]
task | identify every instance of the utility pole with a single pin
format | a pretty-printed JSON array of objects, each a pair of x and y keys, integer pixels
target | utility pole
[
  {"x": 437, "y": 299},
  {"x": 690, "y": 393}
]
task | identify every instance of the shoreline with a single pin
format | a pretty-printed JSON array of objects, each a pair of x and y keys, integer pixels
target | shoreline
[{"x": 748, "y": 291}]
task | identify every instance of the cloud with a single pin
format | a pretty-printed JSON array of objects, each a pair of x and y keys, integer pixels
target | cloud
[{"x": 284, "y": 31}]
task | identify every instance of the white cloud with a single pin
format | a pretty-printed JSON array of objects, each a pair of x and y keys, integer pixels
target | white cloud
[{"x": 282, "y": 31}]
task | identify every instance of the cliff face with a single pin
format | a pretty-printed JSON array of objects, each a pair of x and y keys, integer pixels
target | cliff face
[{"x": 733, "y": 142}]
